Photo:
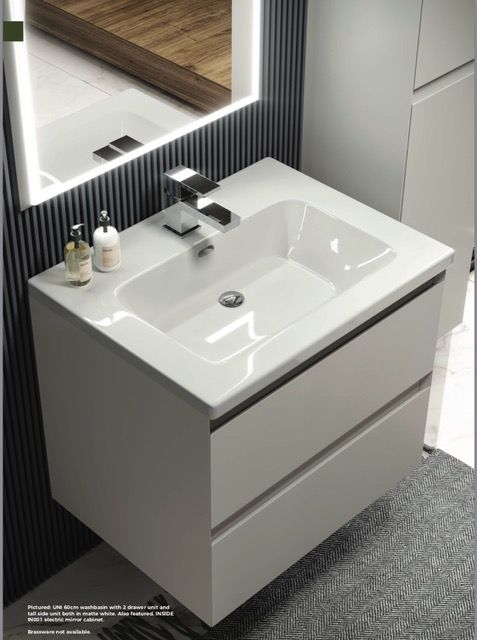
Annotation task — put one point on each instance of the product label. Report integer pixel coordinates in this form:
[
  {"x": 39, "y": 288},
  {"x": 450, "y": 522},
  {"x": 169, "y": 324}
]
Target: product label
[
  {"x": 85, "y": 269},
  {"x": 111, "y": 256}
]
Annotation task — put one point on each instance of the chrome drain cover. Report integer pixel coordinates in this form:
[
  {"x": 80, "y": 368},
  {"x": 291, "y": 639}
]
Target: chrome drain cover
[{"x": 232, "y": 299}]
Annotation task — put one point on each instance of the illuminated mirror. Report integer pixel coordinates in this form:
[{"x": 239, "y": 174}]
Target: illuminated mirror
[{"x": 96, "y": 83}]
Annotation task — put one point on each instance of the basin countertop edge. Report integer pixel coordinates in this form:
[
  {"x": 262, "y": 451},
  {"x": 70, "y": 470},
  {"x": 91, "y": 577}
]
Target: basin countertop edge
[{"x": 418, "y": 259}]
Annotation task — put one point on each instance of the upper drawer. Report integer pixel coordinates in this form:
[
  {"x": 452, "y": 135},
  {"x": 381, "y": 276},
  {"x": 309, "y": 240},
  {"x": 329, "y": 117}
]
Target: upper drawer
[
  {"x": 446, "y": 38},
  {"x": 263, "y": 444}
]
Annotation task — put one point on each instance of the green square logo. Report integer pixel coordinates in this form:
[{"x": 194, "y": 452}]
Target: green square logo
[{"x": 12, "y": 31}]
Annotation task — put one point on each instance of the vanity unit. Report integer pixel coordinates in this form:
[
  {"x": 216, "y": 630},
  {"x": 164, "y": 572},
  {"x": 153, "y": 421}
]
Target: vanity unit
[
  {"x": 389, "y": 117},
  {"x": 214, "y": 446}
]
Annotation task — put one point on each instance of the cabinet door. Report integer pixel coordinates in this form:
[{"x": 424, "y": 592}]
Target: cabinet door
[
  {"x": 438, "y": 189},
  {"x": 359, "y": 80},
  {"x": 446, "y": 38}
]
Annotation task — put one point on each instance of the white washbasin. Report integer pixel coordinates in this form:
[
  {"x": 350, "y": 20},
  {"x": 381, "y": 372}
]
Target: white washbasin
[
  {"x": 287, "y": 260},
  {"x": 312, "y": 263}
]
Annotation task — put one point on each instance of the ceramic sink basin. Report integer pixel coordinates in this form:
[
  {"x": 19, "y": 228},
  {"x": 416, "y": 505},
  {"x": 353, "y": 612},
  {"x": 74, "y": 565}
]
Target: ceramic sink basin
[
  {"x": 311, "y": 263},
  {"x": 287, "y": 261}
]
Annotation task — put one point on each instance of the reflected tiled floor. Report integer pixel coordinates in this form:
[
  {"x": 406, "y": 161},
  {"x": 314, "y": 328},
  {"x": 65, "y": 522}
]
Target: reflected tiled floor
[
  {"x": 450, "y": 424},
  {"x": 103, "y": 576},
  {"x": 66, "y": 79}
]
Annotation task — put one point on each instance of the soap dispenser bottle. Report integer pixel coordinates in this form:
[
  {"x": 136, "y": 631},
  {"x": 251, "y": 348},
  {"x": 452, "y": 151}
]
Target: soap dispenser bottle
[
  {"x": 78, "y": 265},
  {"x": 107, "y": 250}
]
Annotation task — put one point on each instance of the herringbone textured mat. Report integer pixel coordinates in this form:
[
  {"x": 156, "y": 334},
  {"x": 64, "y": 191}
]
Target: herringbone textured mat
[{"x": 401, "y": 569}]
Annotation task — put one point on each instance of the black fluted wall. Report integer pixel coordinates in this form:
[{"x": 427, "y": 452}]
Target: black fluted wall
[{"x": 40, "y": 536}]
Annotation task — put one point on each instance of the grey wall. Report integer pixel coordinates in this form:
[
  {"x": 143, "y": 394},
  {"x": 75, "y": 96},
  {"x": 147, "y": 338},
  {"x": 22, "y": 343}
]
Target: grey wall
[{"x": 40, "y": 536}]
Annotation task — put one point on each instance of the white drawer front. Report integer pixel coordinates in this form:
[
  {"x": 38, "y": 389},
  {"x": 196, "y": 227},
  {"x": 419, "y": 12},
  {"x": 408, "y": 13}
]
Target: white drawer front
[
  {"x": 446, "y": 38},
  {"x": 260, "y": 446},
  {"x": 304, "y": 513}
]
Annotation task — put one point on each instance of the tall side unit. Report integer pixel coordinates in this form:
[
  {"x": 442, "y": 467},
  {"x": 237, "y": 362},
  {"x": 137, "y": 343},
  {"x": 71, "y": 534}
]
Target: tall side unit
[{"x": 388, "y": 117}]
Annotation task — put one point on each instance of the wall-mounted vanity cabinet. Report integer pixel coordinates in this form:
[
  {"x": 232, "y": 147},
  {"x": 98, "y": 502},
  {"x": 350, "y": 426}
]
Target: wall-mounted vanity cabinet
[
  {"x": 389, "y": 117},
  {"x": 214, "y": 514},
  {"x": 214, "y": 447}
]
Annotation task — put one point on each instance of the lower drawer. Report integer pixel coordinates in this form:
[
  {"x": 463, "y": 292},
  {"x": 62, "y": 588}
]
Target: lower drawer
[{"x": 275, "y": 534}]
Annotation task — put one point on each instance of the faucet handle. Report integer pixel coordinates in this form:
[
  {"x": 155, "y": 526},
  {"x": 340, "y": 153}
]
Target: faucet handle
[{"x": 194, "y": 182}]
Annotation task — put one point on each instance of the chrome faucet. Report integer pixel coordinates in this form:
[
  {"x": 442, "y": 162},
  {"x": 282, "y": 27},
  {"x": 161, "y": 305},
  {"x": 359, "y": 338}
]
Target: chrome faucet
[{"x": 190, "y": 191}]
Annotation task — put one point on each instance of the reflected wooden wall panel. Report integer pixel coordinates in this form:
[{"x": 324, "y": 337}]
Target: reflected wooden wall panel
[{"x": 183, "y": 47}]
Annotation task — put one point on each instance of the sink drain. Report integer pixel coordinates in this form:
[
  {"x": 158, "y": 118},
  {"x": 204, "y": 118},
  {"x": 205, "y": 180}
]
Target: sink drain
[{"x": 232, "y": 299}]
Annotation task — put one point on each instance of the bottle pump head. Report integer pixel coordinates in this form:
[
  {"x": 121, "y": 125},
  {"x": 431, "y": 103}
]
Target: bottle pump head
[
  {"x": 104, "y": 220},
  {"x": 76, "y": 233}
]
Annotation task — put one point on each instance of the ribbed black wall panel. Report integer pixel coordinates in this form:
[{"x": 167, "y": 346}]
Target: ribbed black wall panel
[{"x": 40, "y": 536}]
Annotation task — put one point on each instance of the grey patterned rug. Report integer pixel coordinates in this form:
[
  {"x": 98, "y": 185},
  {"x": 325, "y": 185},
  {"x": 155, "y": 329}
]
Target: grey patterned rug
[{"x": 401, "y": 569}]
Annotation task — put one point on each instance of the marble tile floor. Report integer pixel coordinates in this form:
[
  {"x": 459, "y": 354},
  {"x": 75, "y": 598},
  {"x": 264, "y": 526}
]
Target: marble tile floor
[
  {"x": 100, "y": 577},
  {"x": 450, "y": 421},
  {"x": 103, "y": 576},
  {"x": 65, "y": 79}
]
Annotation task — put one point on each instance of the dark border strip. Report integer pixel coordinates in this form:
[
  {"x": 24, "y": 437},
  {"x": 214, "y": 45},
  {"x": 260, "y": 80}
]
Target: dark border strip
[
  {"x": 260, "y": 395},
  {"x": 13, "y": 31}
]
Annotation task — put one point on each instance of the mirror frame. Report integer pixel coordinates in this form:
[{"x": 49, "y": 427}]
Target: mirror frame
[{"x": 23, "y": 121}]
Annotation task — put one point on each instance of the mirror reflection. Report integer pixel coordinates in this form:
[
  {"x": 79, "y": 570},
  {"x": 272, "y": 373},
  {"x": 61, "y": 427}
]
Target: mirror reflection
[{"x": 110, "y": 80}]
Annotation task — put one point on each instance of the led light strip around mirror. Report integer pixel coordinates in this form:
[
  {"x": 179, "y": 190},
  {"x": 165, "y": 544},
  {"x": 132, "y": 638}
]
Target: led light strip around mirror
[{"x": 23, "y": 119}]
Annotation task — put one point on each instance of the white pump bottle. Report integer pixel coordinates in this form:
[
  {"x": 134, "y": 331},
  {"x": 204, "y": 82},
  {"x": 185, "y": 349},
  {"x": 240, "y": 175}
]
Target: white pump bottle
[{"x": 107, "y": 250}]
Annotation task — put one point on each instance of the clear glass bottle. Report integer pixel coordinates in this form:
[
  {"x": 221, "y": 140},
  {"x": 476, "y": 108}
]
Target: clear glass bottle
[{"x": 78, "y": 264}]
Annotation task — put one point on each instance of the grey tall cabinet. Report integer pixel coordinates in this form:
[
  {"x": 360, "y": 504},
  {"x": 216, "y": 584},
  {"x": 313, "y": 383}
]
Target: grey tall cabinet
[{"x": 389, "y": 116}]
